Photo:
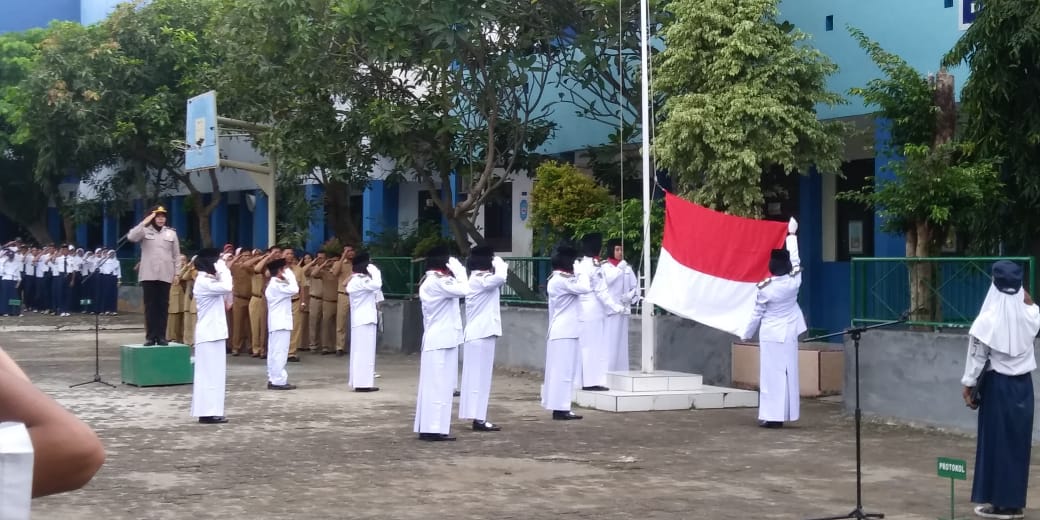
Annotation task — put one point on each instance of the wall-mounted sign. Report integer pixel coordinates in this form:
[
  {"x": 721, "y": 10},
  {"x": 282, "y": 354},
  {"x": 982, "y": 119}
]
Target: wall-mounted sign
[
  {"x": 966, "y": 12},
  {"x": 523, "y": 209}
]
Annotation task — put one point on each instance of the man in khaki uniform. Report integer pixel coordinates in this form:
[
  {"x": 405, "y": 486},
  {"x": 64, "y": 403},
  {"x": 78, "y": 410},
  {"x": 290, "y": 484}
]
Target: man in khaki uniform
[
  {"x": 160, "y": 254},
  {"x": 241, "y": 292},
  {"x": 175, "y": 320},
  {"x": 191, "y": 316},
  {"x": 258, "y": 305},
  {"x": 343, "y": 269},
  {"x": 305, "y": 303},
  {"x": 328, "y": 308},
  {"x": 317, "y": 294},
  {"x": 297, "y": 304}
]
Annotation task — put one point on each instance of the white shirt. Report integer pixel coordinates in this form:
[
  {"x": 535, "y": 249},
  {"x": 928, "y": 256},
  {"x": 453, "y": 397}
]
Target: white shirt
[
  {"x": 41, "y": 265},
  {"x": 364, "y": 290},
  {"x": 483, "y": 312},
  {"x": 279, "y": 295},
  {"x": 564, "y": 290},
  {"x": 110, "y": 266},
  {"x": 442, "y": 318},
  {"x": 597, "y": 304},
  {"x": 88, "y": 265},
  {"x": 30, "y": 266},
  {"x": 75, "y": 264},
  {"x": 60, "y": 265},
  {"x": 776, "y": 308},
  {"x": 10, "y": 269},
  {"x": 979, "y": 352},
  {"x": 622, "y": 284},
  {"x": 209, "y": 291}
]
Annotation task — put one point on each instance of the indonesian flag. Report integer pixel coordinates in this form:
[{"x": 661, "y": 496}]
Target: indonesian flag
[{"x": 711, "y": 262}]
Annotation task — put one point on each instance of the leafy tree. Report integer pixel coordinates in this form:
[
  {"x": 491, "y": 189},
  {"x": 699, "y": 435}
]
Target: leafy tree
[
  {"x": 741, "y": 94},
  {"x": 937, "y": 184},
  {"x": 23, "y": 200},
  {"x": 562, "y": 197},
  {"x": 113, "y": 95},
  {"x": 625, "y": 221},
  {"x": 1001, "y": 102}
]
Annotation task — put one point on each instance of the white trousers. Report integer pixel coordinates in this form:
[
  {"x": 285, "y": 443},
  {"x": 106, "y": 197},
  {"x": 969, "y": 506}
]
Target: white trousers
[
  {"x": 778, "y": 380},
  {"x": 616, "y": 336},
  {"x": 207, "y": 393},
  {"x": 593, "y": 343},
  {"x": 438, "y": 370},
  {"x": 277, "y": 354},
  {"x": 362, "y": 371},
  {"x": 561, "y": 356},
  {"x": 478, "y": 364}
]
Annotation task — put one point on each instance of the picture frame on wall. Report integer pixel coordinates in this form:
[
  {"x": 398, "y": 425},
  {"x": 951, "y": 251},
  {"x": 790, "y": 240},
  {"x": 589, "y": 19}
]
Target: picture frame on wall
[
  {"x": 855, "y": 237},
  {"x": 950, "y": 244}
]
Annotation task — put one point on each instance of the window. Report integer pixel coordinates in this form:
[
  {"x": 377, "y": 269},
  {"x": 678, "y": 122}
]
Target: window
[
  {"x": 498, "y": 218},
  {"x": 829, "y": 22},
  {"x": 855, "y": 223}
]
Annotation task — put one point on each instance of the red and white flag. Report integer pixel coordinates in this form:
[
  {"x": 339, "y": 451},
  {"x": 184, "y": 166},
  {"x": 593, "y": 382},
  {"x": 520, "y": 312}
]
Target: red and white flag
[{"x": 711, "y": 262}]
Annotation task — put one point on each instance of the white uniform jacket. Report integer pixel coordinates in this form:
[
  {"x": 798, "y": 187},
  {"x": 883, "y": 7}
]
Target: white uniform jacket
[
  {"x": 483, "y": 310},
  {"x": 776, "y": 308},
  {"x": 209, "y": 292},
  {"x": 442, "y": 318},
  {"x": 364, "y": 289},
  {"x": 279, "y": 295},
  {"x": 595, "y": 305},
  {"x": 564, "y": 291},
  {"x": 622, "y": 284}
]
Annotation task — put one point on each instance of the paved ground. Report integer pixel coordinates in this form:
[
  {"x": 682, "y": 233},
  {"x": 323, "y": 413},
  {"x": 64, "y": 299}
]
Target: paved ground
[{"x": 322, "y": 452}]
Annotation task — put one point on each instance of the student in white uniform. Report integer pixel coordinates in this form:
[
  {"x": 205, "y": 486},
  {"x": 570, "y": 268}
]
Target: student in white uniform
[
  {"x": 565, "y": 287},
  {"x": 211, "y": 331},
  {"x": 280, "y": 290},
  {"x": 364, "y": 287},
  {"x": 593, "y": 316},
  {"x": 487, "y": 274},
  {"x": 782, "y": 321},
  {"x": 10, "y": 275},
  {"x": 623, "y": 287},
  {"x": 443, "y": 285}
]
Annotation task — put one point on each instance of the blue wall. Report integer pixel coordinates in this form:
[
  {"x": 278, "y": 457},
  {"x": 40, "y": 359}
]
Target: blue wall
[
  {"x": 919, "y": 31},
  {"x": 18, "y": 15}
]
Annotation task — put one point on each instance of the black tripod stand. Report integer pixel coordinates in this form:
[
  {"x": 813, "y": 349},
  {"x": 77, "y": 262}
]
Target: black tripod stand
[
  {"x": 855, "y": 334},
  {"x": 97, "y": 328}
]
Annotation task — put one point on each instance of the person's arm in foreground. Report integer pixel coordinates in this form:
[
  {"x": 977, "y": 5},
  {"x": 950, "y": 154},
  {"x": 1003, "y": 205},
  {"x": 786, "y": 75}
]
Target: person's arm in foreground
[{"x": 66, "y": 452}]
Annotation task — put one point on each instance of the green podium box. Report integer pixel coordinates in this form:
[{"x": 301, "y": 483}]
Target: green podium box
[{"x": 156, "y": 365}]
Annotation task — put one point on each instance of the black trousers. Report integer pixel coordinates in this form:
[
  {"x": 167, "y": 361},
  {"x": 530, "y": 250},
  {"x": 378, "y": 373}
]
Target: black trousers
[{"x": 156, "y": 297}]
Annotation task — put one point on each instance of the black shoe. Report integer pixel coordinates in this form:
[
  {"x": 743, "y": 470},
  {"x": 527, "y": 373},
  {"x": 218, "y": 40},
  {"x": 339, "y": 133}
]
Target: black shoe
[
  {"x": 484, "y": 426},
  {"x": 596, "y": 388},
  {"x": 272, "y": 386},
  {"x": 435, "y": 437},
  {"x": 293, "y": 359},
  {"x": 989, "y": 511},
  {"x": 559, "y": 415},
  {"x": 162, "y": 343},
  {"x": 213, "y": 420},
  {"x": 456, "y": 393},
  {"x": 326, "y": 352},
  {"x": 771, "y": 424},
  {"x": 367, "y": 389},
  {"x": 150, "y": 343},
  {"x": 340, "y": 353}
]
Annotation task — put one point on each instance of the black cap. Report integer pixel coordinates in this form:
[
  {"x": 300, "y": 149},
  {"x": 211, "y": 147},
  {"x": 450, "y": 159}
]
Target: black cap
[
  {"x": 591, "y": 244},
  {"x": 780, "y": 262},
  {"x": 437, "y": 257},
  {"x": 564, "y": 258},
  {"x": 361, "y": 259},
  {"x": 480, "y": 258},
  {"x": 275, "y": 265},
  {"x": 1007, "y": 276},
  {"x": 206, "y": 260}
]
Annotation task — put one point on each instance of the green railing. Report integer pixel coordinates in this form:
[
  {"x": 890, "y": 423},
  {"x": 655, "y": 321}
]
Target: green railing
[
  {"x": 127, "y": 271},
  {"x": 880, "y": 289},
  {"x": 400, "y": 276}
]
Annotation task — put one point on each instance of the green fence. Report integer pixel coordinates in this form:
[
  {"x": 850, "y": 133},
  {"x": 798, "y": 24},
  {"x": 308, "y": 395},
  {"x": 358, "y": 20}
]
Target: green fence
[
  {"x": 127, "y": 271},
  {"x": 881, "y": 288}
]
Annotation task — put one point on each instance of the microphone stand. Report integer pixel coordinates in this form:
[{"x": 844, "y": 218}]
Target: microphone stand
[
  {"x": 97, "y": 327},
  {"x": 855, "y": 334}
]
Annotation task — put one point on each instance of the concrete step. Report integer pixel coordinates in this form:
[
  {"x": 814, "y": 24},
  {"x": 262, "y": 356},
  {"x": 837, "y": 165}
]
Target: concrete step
[
  {"x": 706, "y": 397},
  {"x": 659, "y": 381}
]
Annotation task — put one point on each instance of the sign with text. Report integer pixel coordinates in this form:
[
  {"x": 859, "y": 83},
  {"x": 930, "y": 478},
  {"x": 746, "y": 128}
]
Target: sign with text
[
  {"x": 952, "y": 468},
  {"x": 966, "y": 12}
]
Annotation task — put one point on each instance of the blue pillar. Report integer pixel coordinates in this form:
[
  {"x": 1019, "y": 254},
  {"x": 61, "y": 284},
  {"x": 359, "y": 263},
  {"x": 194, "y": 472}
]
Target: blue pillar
[
  {"x": 810, "y": 244},
  {"x": 245, "y": 225},
  {"x": 885, "y": 244},
  {"x": 218, "y": 223},
  {"x": 81, "y": 236},
  {"x": 109, "y": 227},
  {"x": 260, "y": 220},
  {"x": 54, "y": 224},
  {"x": 372, "y": 223},
  {"x": 178, "y": 215},
  {"x": 454, "y": 196},
  {"x": 316, "y": 230}
]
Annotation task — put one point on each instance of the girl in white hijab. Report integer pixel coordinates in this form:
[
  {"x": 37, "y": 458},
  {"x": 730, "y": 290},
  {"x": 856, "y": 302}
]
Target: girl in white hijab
[{"x": 999, "y": 366}]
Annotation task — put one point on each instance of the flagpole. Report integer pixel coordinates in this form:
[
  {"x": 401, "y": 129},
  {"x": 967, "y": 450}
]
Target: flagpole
[{"x": 647, "y": 322}]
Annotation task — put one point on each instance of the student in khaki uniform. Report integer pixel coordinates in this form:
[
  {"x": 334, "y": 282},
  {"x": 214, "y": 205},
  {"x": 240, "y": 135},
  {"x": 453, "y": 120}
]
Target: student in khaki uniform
[
  {"x": 305, "y": 303},
  {"x": 330, "y": 295},
  {"x": 257, "y": 305},
  {"x": 175, "y": 320},
  {"x": 242, "y": 293},
  {"x": 191, "y": 316},
  {"x": 317, "y": 293},
  {"x": 343, "y": 269},
  {"x": 299, "y": 323}
]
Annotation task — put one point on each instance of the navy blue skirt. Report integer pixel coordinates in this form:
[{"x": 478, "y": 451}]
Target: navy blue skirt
[{"x": 1005, "y": 439}]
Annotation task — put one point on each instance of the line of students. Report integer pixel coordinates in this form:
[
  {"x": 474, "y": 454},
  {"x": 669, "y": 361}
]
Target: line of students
[{"x": 57, "y": 280}]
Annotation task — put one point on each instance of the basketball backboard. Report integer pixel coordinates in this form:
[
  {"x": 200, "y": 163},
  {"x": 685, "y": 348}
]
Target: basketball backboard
[{"x": 201, "y": 135}]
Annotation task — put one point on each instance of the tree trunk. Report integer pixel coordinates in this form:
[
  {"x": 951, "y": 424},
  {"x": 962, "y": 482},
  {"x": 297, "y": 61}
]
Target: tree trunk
[
  {"x": 512, "y": 280},
  {"x": 70, "y": 230},
  {"x": 946, "y": 117},
  {"x": 38, "y": 230},
  {"x": 203, "y": 218},
  {"x": 922, "y": 274},
  {"x": 337, "y": 207}
]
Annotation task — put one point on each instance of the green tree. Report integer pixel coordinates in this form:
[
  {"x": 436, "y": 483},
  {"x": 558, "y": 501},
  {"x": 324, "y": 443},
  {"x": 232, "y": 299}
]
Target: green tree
[
  {"x": 741, "y": 91},
  {"x": 562, "y": 197},
  {"x": 23, "y": 200},
  {"x": 625, "y": 221},
  {"x": 937, "y": 183},
  {"x": 1001, "y": 102}
]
